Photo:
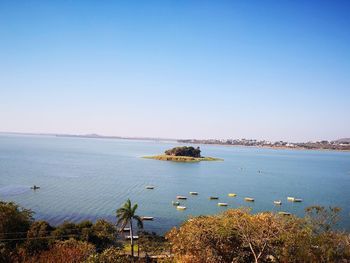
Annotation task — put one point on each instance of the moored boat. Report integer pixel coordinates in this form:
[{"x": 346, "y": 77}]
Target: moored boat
[
  {"x": 193, "y": 193},
  {"x": 34, "y": 187},
  {"x": 175, "y": 202},
  {"x": 249, "y": 199},
  {"x": 150, "y": 187},
  {"x": 147, "y": 218},
  {"x": 180, "y": 207},
  {"x": 298, "y": 200},
  {"x": 181, "y": 197},
  {"x": 222, "y": 204},
  {"x": 232, "y": 194},
  {"x": 134, "y": 237},
  {"x": 289, "y": 198},
  {"x": 213, "y": 197},
  {"x": 278, "y": 202}
]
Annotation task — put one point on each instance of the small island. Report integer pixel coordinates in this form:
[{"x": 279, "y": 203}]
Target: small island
[{"x": 183, "y": 154}]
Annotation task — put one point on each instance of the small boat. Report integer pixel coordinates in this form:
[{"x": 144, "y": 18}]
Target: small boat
[
  {"x": 232, "y": 194},
  {"x": 193, "y": 193},
  {"x": 151, "y": 187},
  {"x": 34, "y": 187},
  {"x": 284, "y": 213},
  {"x": 278, "y": 202},
  {"x": 126, "y": 229},
  {"x": 181, "y": 197},
  {"x": 249, "y": 199},
  {"x": 298, "y": 200},
  {"x": 180, "y": 207},
  {"x": 213, "y": 197},
  {"x": 134, "y": 237},
  {"x": 175, "y": 202},
  {"x": 222, "y": 204},
  {"x": 290, "y": 198},
  {"x": 147, "y": 218}
]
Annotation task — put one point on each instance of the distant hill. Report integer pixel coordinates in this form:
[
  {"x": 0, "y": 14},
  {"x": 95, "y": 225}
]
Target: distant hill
[{"x": 344, "y": 140}]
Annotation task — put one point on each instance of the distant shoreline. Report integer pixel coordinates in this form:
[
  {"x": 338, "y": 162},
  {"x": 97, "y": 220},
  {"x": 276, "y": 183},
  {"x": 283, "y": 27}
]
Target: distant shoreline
[
  {"x": 274, "y": 148},
  {"x": 200, "y": 142}
]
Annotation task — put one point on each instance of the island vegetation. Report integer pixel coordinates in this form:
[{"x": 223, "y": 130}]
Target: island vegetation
[
  {"x": 236, "y": 235},
  {"x": 183, "y": 154}
]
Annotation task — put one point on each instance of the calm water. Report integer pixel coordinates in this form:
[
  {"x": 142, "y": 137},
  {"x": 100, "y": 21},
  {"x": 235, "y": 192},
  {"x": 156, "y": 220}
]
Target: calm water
[{"x": 90, "y": 178}]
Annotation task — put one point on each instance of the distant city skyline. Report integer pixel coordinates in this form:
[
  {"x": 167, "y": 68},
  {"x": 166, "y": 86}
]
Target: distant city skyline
[{"x": 184, "y": 69}]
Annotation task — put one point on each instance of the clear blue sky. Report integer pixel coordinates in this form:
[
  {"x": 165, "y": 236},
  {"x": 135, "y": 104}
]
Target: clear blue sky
[{"x": 179, "y": 69}]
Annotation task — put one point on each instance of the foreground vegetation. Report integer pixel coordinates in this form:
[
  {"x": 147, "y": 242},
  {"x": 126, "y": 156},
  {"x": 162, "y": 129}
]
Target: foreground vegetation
[
  {"x": 239, "y": 236},
  {"x": 183, "y": 154},
  {"x": 235, "y": 235}
]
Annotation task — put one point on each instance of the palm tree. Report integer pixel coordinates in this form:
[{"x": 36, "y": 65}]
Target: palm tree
[{"x": 126, "y": 214}]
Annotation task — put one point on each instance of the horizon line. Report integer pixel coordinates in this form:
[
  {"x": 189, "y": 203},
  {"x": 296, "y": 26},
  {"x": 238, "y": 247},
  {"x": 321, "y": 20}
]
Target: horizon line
[{"x": 96, "y": 135}]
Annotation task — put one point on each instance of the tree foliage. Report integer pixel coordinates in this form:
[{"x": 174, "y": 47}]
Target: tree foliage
[
  {"x": 37, "y": 237},
  {"x": 239, "y": 236},
  {"x": 184, "y": 151},
  {"x": 14, "y": 222},
  {"x": 151, "y": 243},
  {"x": 68, "y": 251},
  {"x": 125, "y": 215}
]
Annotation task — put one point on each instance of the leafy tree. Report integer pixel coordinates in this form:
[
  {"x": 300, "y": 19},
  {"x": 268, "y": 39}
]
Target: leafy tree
[
  {"x": 239, "y": 236},
  {"x": 37, "y": 237},
  {"x": 104, "y": 235},
  {"x": 151, "y": 243},
  {"x": 126, "y": 214},
  {"x": 68, "y": 251},
  {"x": 207, "y": 239},
  {"x": 322, "y": 219},
  {"x": 14, "y": 223},
  {"x": 66, "y": 231},
  {"x": 184, "y": 151},
  {"x": 109, "y": 255}
]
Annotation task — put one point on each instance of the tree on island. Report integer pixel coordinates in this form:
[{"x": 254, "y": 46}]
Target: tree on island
[
  {"x": 184, "y": 151},
  {"x": 125, "y": 215}
]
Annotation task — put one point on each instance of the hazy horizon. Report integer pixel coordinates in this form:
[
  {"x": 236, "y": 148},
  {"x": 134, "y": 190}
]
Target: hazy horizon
[
  {"x": 150, "y": 137},
  {"x": 186, "y": 69}
]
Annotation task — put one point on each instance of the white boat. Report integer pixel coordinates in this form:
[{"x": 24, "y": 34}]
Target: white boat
[
  {"x": 249, "y": 199},
  {"x": 193, "y": 193},
  {"x": 126, "y": 229},
  {"x": 134, "y": 237},
  {"x": 222, "y": 204},
  {"x": 147, "y": 218},
  {"x": 180, "y": 207},
  {"x": 278, "y": 202},
  {"x": 293, "y": 199},
  {"x": 181, "y": 197}
]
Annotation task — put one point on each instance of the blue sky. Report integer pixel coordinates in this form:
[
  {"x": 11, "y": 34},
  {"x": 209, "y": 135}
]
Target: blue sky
[{"x": 176, "y": 69}]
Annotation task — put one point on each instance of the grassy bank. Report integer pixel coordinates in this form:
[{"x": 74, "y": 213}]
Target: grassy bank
[{"x": 164, "y": 157}]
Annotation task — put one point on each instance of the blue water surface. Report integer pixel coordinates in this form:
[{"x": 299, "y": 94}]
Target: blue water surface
[{"x": 82, "y": 178}]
